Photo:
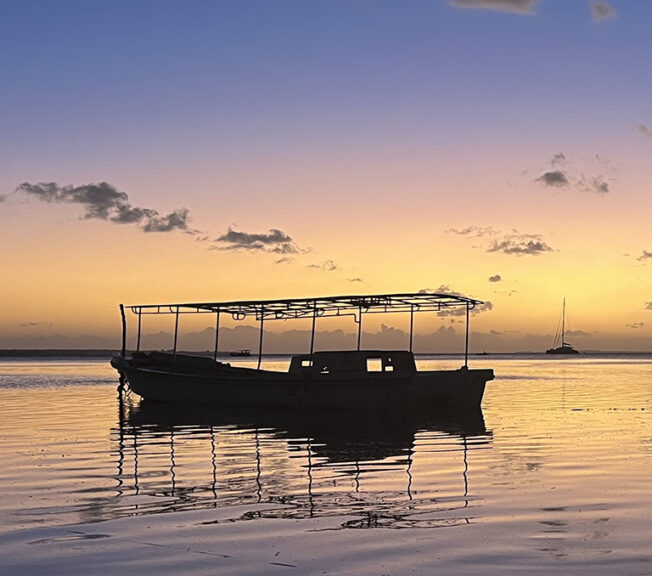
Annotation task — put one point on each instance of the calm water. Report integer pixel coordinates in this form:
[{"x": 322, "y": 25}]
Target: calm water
[{"x": 554, "y": 475}]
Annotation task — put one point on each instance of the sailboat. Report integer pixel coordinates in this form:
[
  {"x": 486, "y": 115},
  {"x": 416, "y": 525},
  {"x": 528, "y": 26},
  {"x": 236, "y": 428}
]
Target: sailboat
[{"x": 565, "y": 347}]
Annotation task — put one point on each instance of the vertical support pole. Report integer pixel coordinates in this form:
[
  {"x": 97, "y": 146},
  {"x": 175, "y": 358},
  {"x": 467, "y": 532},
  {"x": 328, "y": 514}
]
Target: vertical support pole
[
  {"x": 359, "y": 325},
  {"x": 217, "y": 334},
  {"x": 312, "y": 334},
  {"x": 140, "y": 315},
  {"x": 260, "y": 340},
  {"x": 176, "y": 333},
  {"x": 411, "y": 324},
  {"x": 466, "y": 345},
  {"x": 124, "y": 330}
]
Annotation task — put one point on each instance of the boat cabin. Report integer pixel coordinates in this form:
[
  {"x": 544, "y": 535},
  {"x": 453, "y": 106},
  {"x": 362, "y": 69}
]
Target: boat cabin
[{"x": 354, "y": 362}]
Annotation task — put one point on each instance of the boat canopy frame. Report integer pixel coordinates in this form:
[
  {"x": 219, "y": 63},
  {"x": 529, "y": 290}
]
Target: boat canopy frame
[{"x": 320, "y": 307}]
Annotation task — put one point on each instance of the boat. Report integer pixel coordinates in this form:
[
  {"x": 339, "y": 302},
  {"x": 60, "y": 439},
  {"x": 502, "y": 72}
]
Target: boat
[
  {"x": 242, "y": 352},
  {"x": 348, "y": 378},
  {"x": 565, "y": 347}
]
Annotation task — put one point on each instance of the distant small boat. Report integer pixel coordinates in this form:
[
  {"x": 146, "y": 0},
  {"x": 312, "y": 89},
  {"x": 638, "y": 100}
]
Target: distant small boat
[
  {"x": 243, "y": 352},
  {"x": 565, "y": 347}
]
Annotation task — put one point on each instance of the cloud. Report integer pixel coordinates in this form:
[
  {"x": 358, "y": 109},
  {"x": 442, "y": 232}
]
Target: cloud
[
  {"x": 601, "y": 10},
  {"x": 635, "y": 325},
  {"x": 513, "y": 6},
  {"x": 557, "y": 178},
  {"x": 644, "y": 256},
  {"x": 473, "y": 231},
  {"x": 512, "y": 243},
  {"x": 105, "y": 202},
  {"x": 326, "y": 266},
  {"x": 648, "y": 306},
  {"x": 596, "y": 184},
  {"x": 35, "y": 325},
  {"x": 520, "y": 245},
  {"x": 284, "y": 260},
  {"x": 3, "y": 197},
  {"x": 354, "y": 279},
  {"x": 495, "y": 278},
  {"x": 579, "y": 334},
  {"x": 275, "y": 241},
  {"x": 554, "y": 178},
  {"x": 445, "y": 289},
  {"x": 643, "y": 129}
]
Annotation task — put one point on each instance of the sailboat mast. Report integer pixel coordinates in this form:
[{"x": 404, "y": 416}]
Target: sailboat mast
[{"x": 563, "y": 323}]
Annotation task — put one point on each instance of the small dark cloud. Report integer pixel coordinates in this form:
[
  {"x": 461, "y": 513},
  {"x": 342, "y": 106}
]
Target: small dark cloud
[
  {"x": 177, "y": 220},
  {"x": 495, "y": 278},
  {"x": 326, "y": 266},
  {"x": 354, "y": 279},
  {"x": 473, "y": 231},
  {"x": 445, "y": 289},
  {"x": 520, "y": 245},
  {"x": 513, "y": 6},
  {"x": 648, "y": 306},
  {"x": 635, "y": 325},
  {"x": 459, "y": 311},
  {"x": 35, "y": 325},
  {"x": 3, "y": 197},
  {"x": 284, "y": 260},
  {"x": 597, "y": 185},
  {"x": 644, "y": 256},
  {"x": 274, "y": 240},
  {"x": 513, "y": 243},
  {"x": 601, "y": 10},
  {"x": 557, "y": 178},
  {"x": 554, "y": 178},
  {"x": 643, "y": 129},
  {"x": 103, "y": 201}
]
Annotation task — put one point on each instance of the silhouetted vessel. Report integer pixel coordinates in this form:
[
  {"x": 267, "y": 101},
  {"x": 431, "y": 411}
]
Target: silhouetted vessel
[
  {"x": 565, "y": 347},
  {"x": 242, "y": 352},
  {"x": 355, "y": 378}
]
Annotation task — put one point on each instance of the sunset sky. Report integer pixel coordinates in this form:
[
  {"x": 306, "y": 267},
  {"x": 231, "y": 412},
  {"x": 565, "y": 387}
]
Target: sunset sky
[{"x": 157, "y": 151}]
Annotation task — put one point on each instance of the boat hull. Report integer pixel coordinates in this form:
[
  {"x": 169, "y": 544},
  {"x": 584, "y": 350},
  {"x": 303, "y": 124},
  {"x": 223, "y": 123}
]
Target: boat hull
[
  {"x": 562, "y": 350},
  {"x": 235, "y": 386}
]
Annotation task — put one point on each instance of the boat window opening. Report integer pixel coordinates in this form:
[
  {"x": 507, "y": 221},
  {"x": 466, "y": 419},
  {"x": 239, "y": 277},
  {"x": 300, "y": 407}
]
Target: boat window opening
[
  {"x": 374, "y": 365},
  {"x": 306, "y": 363},
  {"x": 389, "y": 368}
]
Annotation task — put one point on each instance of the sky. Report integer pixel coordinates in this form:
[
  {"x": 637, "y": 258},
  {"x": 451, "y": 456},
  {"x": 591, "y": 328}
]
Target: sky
[{"x": 157, "y": 151}]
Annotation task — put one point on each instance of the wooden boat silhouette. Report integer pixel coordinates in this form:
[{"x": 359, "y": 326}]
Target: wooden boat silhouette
[{"x": 320, "y": 378}]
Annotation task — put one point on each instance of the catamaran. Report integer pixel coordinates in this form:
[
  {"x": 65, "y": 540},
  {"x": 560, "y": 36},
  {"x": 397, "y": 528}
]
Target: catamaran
[
  {"x": 565, "y": 347},
  {"x": 355, "y": 378}
]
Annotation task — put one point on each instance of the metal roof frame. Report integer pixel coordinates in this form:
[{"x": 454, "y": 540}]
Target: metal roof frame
[{"x": 318, "y": 307}]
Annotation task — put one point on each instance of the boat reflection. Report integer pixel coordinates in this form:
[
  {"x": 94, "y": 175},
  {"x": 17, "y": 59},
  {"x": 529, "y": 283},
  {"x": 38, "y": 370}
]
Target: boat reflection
[{"x": 367, "y": 468}]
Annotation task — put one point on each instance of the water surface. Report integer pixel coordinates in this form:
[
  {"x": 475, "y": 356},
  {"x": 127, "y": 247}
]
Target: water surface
[{"x": 553, "y": 474}]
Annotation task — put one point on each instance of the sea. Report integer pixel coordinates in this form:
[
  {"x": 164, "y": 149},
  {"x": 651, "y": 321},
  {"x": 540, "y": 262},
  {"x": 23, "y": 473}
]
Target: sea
[{"x": 552, "y": 476}]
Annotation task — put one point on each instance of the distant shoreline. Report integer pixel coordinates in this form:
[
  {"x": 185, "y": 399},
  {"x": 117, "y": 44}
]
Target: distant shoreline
[
  {"x": 47, "y": 353},
  {"x": 107, "y": 353}
]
